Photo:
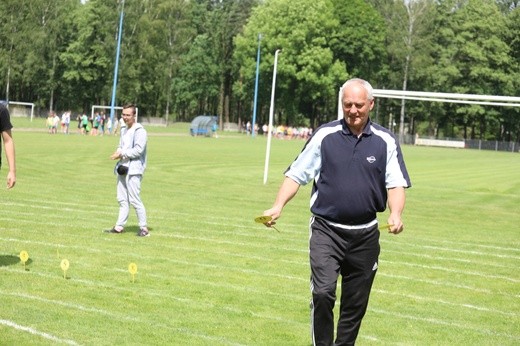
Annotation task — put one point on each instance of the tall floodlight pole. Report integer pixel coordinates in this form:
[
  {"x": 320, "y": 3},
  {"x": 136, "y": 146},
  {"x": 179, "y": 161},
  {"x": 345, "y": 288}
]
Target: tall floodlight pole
[
  {"x": 116, "y": 67},
  {"x": 271, "y": 116},
  {"x": 256, "y": 85}
]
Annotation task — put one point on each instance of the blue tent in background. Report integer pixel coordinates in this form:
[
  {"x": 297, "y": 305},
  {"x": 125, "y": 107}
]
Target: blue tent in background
[{"x": 202, "y": 125}]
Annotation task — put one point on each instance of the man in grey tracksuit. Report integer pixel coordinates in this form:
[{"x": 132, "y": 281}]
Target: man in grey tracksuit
[{"x": 131, "y": 154}]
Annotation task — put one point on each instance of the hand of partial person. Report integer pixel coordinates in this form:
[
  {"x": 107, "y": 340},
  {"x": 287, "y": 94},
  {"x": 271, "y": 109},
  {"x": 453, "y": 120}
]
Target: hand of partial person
[
  {"x": 274, "y": 213},
  {"x": 11, "y": 180},
  {"x": 396, "y": 224},
  {"x": 116, "y": 155}
]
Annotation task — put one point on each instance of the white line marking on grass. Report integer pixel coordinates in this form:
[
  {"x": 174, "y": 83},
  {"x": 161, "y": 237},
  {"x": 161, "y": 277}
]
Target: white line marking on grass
[
  {"x": 448, "y": 284},
  {"x": 227, "y": 286},
  {"x": 186, "y": 301},
  {"x": 475, "y": 245},
  {"x": 233, "y": 223},
  {"x": 269, "y": 317},
  {"x": 443, "y": 302},
  {"x": 203, "y": 265},
  {"x": 456, "y": 250},
  {"x": 254, "y": 245},
  {"x": 368, "y": 337},
  {"x": 478, "y": 330},
  {"x": 240, "y": 270},
  {"x": 262, "y": 245},
  {"x": 263, "y": 259},
  {"x": 116, "y": 316},
  {"x": 52, "y": 245},
  {"x": 473, "y": 262},
  {"x": 150, "y": 293},
  {"x": 465, "y": 272},
  {"x": 299, "y": 278},
  {"x": 35, "y": 332}
]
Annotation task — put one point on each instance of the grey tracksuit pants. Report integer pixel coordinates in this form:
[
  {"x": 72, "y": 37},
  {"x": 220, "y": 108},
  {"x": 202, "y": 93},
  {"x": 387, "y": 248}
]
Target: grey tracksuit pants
[{"x": 128, "y": 193}]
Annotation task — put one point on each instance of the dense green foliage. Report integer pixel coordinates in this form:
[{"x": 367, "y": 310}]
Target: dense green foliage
[{"x": 183, "y": 58}]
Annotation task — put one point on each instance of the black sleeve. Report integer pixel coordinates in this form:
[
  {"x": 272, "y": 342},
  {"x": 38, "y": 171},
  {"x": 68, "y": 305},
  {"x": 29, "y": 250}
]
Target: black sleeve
[
  {"x": 5, "y": 119},
  {"x": 5, "y": 125}
]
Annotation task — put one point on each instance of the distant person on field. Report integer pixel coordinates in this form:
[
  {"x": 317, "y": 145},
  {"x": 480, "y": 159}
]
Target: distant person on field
[
  {"x": 356, "y": 167},
  {"x": 95, "y": 124},
  {"x": 49, "y": 122},
  {"x": 65, "y": 122},
  {"x": 78, "y": 119},
  {"x": 55, "y": 122},
  {"x": 109, "y": 124},
  {"x": 122, "y": 124},
  {"x": 118, "y": 125},
  {"x": 264, "y": 129},
  {"x": 85, "y": 129},
  {"x": 214, "y": 129},
  {"x": 102, "y": 121},
  {"x": 131, "y": 156},
  {"x": 7, "y": 138}
]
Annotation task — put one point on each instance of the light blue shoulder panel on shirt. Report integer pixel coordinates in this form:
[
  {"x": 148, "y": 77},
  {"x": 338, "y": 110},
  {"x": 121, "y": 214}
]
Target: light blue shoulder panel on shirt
[
  {"x": 308, "y": 163},
  {"x": 394, "y": 174}
]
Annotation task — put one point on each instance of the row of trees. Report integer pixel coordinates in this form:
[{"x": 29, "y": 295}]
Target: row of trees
[{"x": 182, "y": 58}]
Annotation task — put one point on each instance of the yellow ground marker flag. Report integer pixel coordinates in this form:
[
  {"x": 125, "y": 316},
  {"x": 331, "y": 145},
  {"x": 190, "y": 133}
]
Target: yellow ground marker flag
[
  {"x": 132, "y": 268},
  {"x": 24, "y": 256},
  {"x": 64, "y": 266}
]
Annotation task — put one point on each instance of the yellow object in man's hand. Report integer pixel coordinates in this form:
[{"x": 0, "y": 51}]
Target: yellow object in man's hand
[{"x": 265, "y": 219}]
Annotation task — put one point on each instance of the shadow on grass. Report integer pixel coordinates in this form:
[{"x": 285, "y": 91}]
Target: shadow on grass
[
  {"x": 129, "y": 231},
  {"x": 9, "y": 260}
]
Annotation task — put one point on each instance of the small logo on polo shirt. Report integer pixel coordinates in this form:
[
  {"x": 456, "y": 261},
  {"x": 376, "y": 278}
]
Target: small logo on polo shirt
[
  {"x": 371, "y": 159},
  {"x": 374, "y": 268}
]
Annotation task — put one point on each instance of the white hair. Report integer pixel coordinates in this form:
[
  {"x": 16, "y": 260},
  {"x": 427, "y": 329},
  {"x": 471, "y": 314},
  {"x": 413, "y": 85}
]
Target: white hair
[{"x": 366, "y": 85}]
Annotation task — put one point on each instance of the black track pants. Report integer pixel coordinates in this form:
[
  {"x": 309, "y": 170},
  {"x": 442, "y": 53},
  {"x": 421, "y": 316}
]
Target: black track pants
[{"x": 353, "y": 253}]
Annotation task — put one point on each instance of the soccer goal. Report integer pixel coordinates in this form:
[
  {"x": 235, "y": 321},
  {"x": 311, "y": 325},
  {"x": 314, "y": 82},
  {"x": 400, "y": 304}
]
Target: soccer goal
[
  {"x": 491, "y": 100},
  {"x": 21, "y": 109},
  {"x": 94, "y": 107}
]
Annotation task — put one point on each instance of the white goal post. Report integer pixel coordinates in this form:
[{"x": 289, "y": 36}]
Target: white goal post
[
  {"x": 94, "y": 107},
  {"x": 23, "y": 104},
  {"x": 491, "y": 100}
]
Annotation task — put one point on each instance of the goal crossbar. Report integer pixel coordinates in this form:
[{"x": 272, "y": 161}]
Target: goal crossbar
[
  {"x": 452, "y": 100},
  {"x": 109, "y": 107},
  {"x": 437, "y": 95},
  {"x": 489, "y": 100},
  {"x": 23, "y": 104}
]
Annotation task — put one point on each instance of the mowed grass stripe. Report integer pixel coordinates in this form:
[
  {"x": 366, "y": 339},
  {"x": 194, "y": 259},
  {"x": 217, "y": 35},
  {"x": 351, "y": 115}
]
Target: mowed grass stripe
[
  {"x": 202, "y": 195},
  {"x": 416, "y": 297},
  {"x": 448, "y": 325},
  {"x": 301, "y": 265},
  {"x": 124, "y": 316},
  {"x": 199, "y": 305},
  {"x": 49, "y": 259},
  {"x": 243, "y": 245},
  {"x": 463, "y": 251},
  {"x": 420, "y": 256},
  {"x": 454, "y": 271},
  {"x": 83, "y": 281}
]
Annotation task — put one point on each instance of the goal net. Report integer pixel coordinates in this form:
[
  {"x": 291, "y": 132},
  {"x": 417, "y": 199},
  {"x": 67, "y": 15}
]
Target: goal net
[
  {"x": 95, "y": 107},
  {"x": 21, "y": 109}
]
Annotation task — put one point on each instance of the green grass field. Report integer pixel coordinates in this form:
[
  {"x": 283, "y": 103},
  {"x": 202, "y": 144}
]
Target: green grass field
[{"x": 209, "y": 275}]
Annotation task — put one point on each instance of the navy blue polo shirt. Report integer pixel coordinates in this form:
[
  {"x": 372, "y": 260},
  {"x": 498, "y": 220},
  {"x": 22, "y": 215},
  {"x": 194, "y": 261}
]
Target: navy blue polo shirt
[{"x": 351, "y": 175}]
